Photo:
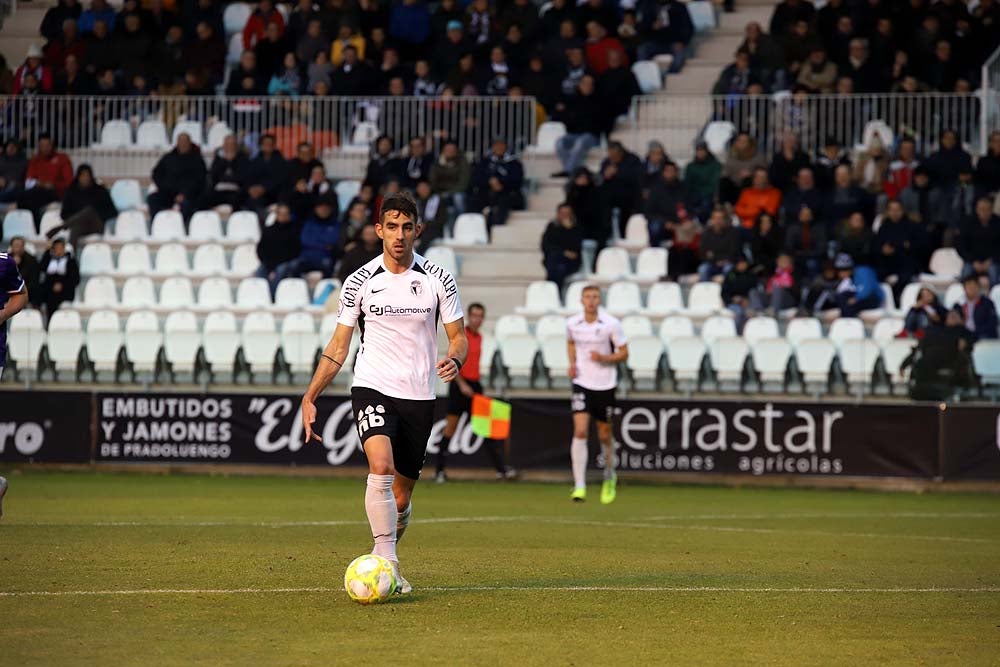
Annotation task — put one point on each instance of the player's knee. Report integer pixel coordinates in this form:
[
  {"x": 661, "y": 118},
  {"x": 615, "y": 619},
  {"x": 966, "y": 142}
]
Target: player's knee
[
  {"x": 579, "y": 434},
  {"x": 402, "y": 501},
  {"x": 381, "y": 468}
]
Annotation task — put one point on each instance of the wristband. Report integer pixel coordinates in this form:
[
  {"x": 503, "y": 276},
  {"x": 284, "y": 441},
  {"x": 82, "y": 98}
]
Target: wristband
[{"x": 457, "y": 362}]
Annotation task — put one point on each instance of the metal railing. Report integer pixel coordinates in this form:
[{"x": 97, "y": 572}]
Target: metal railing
[
  {"x": 123, "y": 136},
  {"x": 990, "y": 90}
]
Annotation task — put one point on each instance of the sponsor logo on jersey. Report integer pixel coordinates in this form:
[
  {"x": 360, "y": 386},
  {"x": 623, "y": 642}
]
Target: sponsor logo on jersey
[
  {"x": 396, "y": 311},
  {"x": 416, "y": 288}
]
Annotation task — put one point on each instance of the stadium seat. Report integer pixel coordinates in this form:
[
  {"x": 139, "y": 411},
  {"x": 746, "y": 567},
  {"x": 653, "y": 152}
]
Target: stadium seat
[
  {"x": 954, "y": 295},
  {"x": 717, "y": 327},
  {"x": 888, "y": 307},
  {"x": 362, "y": 137},
  {"x": 152, "y": 134},
  {"x": 548, "y": 134},
  {"x": 171, "y": 259},
  {"x": 572, "y": 299},
  {"x": 346, "y": 191},
  {"x": 624, "y": 298},
  {"x": 986, "y": 362},
  {"x": 705, "y": 299},
  {"x": 770, "y": 361},
  {"x": 663, "y": 299},
  {"x": 260, "y": 342},
  {"x": 25, "y": 340},
  {"x": 486, "y": 354},
  {"x": 115, "y": 134},
  {"x": 220, "y": 343},
  {"x": 651, "y": 265},
  {"x": 645, "y": 355},
  {"x": 299, "y": 343},
  {"x": 134, "y": 259},
  {"x": 193, "y": 130},
  {"x": 217, "y": 134},
  {"x": 291, "y": 294},
  {"x": 909, "y": 297},
  {"x": 555, "y": 360},
  {"x": 470, "y": 229},
  {"x": 18, "y": 222},
  {"x": 542, "y": 296},
  {"x": 846, "y": 328},
  {"x": 131, "y": 225},
  {"x": 234, "y": 49},
  {"x": 702, "y": 15},
  {"x": 215, "y": 293},
  {"x": 138, "y": 292},
  {"x": 887, "y": 329},
  {"x": 636, "y": 325},
  {"x": 253, "y": 293},
  {"x": 444, "y": 257},
  {"x": 813, "y": 358},
  {"x": 550, "y": 325},
  {"x": 181, "y": 343},
  {"x": 209, "y": 260},
  {"x": 894, "y": 352},
  {"x": 104, "y": 342},
  {"x": 168, "y": 225},
  {"x": 995, "y": 296},
  {"x": 143, "y": 341},
  {"x": 717, "y": 135},
  {"x": 177, "y": 292},
  {"x": 321, "y": 294},
  {"x": 858, "y": 358},
  {"x": 757, "y": 328},
  {"x": 508, "y": 325},
  {"x": 100, "y": 292},
  {"x": 64, "y": 341},
  {"x": 685, "y": 355},
  {"x": 612, "y": 264},
  {"x": 327, "y": 326},
  {"x": 205, "y": 226},
  {"x": 235, "y": 17},
  {"x": 517, "y": 352},
  {"x": 636, "y": 233},
  {"x": 879, "y": 128},
  {"x": 647, "y": 73},
  {"x": 728, "y": 355},
  {"x": 50, "y": 220},
  {"x": 946, "y": 267},
  {"x": 802, "y": 328},
  {"x": 243, "y": 226},
  {"x": 675, "y": 326},
  {"x": 244, "y": 261},
  {"x": 126, "y": 194}
]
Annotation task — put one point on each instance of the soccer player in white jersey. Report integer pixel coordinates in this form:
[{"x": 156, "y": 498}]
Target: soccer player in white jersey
[
  {"x": 396, "y": 300},
  {"x": 596, "y": 345}
]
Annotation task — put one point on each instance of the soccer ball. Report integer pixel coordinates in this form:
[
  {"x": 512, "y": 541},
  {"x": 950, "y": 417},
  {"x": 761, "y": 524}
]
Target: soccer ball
[{"x": 370, "y": 579}]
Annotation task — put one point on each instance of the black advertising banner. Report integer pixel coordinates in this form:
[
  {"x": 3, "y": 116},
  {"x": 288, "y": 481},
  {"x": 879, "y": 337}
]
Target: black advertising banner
[
  {"x": 49, "y": 427},
  {"x": 971, "y": 443}
]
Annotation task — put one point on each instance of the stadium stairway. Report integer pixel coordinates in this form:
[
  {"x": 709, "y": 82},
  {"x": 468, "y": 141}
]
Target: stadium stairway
[{"x": 20, "y": 30}]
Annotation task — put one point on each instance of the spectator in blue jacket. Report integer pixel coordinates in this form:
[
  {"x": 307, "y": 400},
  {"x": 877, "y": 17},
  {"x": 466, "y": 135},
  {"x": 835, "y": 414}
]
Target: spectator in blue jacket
[
  {"x": 669, "y": 29},
  {"x": 320, "y": 238},
  {"x": 99, "y": 10},
  {"x": 858, "y": 288},
  {"x": 977, "y": 311},
  {"x": 410, "y": 26}
]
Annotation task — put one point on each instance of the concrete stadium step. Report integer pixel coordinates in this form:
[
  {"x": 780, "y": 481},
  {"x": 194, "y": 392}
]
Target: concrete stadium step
[
  {"x": 499, "y": 296},
  {"x": 520, "y": 233},
  {"x": 718, "y": 48},
  {"x": 696, "y": 78},
  {"x": 745, "y": 13},
  {"x": 490, "y": 262},
  {"x": 20, "y": 30}
]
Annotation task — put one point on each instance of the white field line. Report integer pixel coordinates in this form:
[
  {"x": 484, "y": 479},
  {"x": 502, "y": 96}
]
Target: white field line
[{"x": 478, "y": 589}]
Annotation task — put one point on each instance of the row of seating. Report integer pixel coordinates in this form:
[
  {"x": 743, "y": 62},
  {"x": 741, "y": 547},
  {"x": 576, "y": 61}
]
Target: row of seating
[
  {"x": 170, "y": 259},
  {"x": 117, "y": 134}
]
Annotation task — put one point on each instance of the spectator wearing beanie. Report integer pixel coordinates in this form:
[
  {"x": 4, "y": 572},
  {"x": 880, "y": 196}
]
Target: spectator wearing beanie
[
  {"x": 320, "y": 239},
  {"x": 858, "y": 288},
  {"x": 33, "y": 66}
]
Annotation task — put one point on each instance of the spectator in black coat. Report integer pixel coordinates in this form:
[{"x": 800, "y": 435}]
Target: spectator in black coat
[
  {"x": 583, "y": 116},
  {"x": 897, "y": 244},
  {"x": 52, "y": 23},
  {"x": 246, "y": 78},
  {"x": 28, "y": 267},
  {"x": 787, "y": 162},
  {"x": 86, "y": 206},
  {"x": 925, "y": 313},
  {"x": 381, "y": 166},
  {"x": 665, "y": 207},
  {"x": 416, "y": 166},
  {"x": 367, "y": 248},
  {"x": 278, "y": 247},
  {"x": 948, "y": 161},
  {"x": 788, "y": 12},
  {"x": 354, "y": 77},
  {"x": 562, "y": 244},
  {"x": 988, "y": 169},
  {"x": 804, "y": 193},
  {"x": 621, "y": 186},
  {"x": 847, "y": 198},
  {"x": 805, "y": 241},
  {"x": 977, "y": 310},
  {"x": 855, "y": 238},
  {"x": 13, "y": 167},
  {"x": 497, "y": 180},
  {"x": 741, "y": 291},
  {"x": 306, "y": 192},
  {"x": 265, "y": 175},
  {"x": 60, "y": 275},
  {"x": 979, "y": 242},
  {"x": 584, "y": 198},
  {"x": 720, "y": 243},
  {"x": 101, "y": 52},
  {"x": 180, "y": 178},
  {"x": 133, "y": 47},
  {"x": 862, "y": 70},
  {"x": 616, "y": 86},
  {"x": 652, "y": 166},
  {"x": 207, "y": 50},
  {"x": 226, "y": 178},
  {"x": 668, "y": 29},
  {"x": 767, "y": 243},
  {"x": 300, "y": 168}
]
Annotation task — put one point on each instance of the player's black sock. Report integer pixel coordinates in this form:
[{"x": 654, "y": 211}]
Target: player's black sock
[{"x": 443, "y": 452}]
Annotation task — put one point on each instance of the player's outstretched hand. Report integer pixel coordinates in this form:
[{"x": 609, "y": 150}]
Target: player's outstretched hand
[
  {"x": 447, "y": 369},
  {"x": 308, "y": 418}
]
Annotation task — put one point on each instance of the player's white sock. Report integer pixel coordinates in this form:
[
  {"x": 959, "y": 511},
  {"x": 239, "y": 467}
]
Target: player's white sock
[
  {"x": 402, "y": 522},
  {"x": 609, "y": 461},
  {"x": 380, "y": 505},
  {"x": 578, "y": 458}
]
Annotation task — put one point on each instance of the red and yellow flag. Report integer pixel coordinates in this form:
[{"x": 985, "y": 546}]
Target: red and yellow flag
[{"x": 490, "y": 417}]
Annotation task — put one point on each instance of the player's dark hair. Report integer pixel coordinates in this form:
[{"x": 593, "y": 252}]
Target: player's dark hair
[
  {"x": 475, "y": 304},
  {"x": 401, "y": 202}
]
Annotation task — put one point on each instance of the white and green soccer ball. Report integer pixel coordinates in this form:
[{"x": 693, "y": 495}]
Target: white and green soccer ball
[{"x": 370, "y": 579}]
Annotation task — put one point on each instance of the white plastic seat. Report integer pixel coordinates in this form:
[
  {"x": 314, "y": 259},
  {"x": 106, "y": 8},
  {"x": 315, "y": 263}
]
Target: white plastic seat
[
  {"x": 636, "y": 233},
  {"x": 995, "y": 296},
  {"x": 572, "y": 299},
  {"x": 220, "y": 341},
  {"x": 702, "y": 15},
  {"x": 673, "y": 327},
  {"x": 243, "y": 226},
  {"x": 115, "y": 134},
  {"x": 18, "y": 222},
  {"x": 636, "y": 325},
  {"x": 138, "y": 292},
  {"x": 664, "y": 299},
  {"x": 126, "y": 194},
  {"x": 234, "y": 48},
  {"x": 235, "y": 17},
  {"x": 325, "y": 289},
  {"x": 651, "y": 264},
  {"x": 894, "y": 352},
  {"x": 260, "y": 342},
  {"x": 846, "y": 328},
  {"x": 757, "y": 328},
  {"x": 104, "y": 340},
  {"x": 802, "y": 328},
  {"x": 215, "y": 293},
  {"x": 100, "y": 292},
  {"x": 177, "y": 292},
  {"x": 612, "y": 264},
  {"x": 143, "y": 340},
  {"x": 96, "y": 258},
  {"x": 554, "y": 358},
  {"x": 770, "y": 359},
  {"x": 152, "y": 134},
  {"x": 470, "y": 229},
  {"x": 171, "y": 258},
  {"x": 717, "y": 136},
  {"x": 217, "y": 134},
  {"x": 363, "y": 136},
  {"x": 704, "y": 299},
  {"x": 954, "y": 295},
  {"x": 64, "y": 340},
  {"x": 130, "y": 225},
  {"x": 717, "y": 327},
  {"x": 346, "y": 191},
  {"x": 509, "y": 325},
  {"x": 326, "y": 327},
  {"x": 181, "y": 341},
  {"x": 946, "y": 265},
  {"x": 253, "y": 293},
  {"x": 887, "y": 329},
  {"x": 908, "y": 297},
  {"x": 291, "y": 294},
  {"x": 684, "y": 357},
  {"x": 193, "y": 130},
  {"x": 133, "y": 259},
  {"x": 624, "y": 298},
  {"x": 486, "y": 354},
  {"x": 548, "y": 134},
  {"x": 244, "y": 261},
  {"x": 728, "y": 355},
  {"x": 205, "y": 226},
  {"x": 518, "y": 352},
  {"x": 299, "y": 342},
  {"x": 209, "y": 260},
  {"x": 542, "y": 296},
  {"x": 645, "y": 353},
  {"x": 444, "y": 257},
  {"x": 168, "y": 225},
  {"x": 986, "y": 361},
  {"x": 25, "y": 339},
  {"x": 879, "y": 128},
  {"x": 548, "y": 326},
  {"x": 50, "y": 220},
  {"x": 813, "y": 357},
  {"x": 647, "y": 73},
  {"x": 857, "y": 360}
]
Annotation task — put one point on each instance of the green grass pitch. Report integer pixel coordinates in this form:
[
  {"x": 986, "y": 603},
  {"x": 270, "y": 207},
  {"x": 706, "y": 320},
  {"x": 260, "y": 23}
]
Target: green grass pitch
[{"x": 249, "y": 570}]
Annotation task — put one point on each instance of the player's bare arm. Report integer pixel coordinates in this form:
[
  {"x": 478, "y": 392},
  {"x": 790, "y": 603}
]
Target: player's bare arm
[
  {"x": 571, "y": 352},
  {"x": 458, "y": 349},
  {"x": 620, "y": 354},
  {"x": 330, "y": 363},
  {"x": 15, "y": 304}
]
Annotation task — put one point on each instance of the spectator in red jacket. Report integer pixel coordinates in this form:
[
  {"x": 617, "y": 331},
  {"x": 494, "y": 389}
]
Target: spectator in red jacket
[
  {"x": 256, "y": 26},
  {"x": 49, "y": 174},
  {"x": 598, "y": 46},
  {"x": 33, "y": 65},
  {"x": 901, "y": 169}
]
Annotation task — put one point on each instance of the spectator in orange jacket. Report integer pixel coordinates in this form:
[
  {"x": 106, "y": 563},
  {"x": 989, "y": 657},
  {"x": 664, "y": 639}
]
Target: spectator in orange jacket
[
  {"x": 49, "y": 174},
  {"x": 253, "y": 31},
  {"x": 760, "y": 197}
]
